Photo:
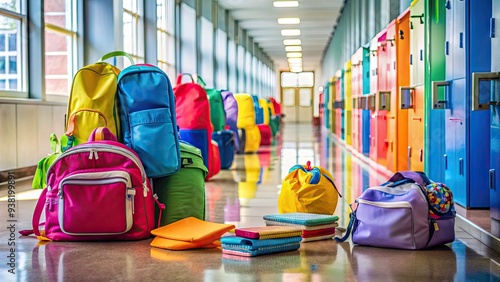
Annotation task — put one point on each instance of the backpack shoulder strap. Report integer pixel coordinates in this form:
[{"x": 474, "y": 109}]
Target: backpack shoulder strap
[{"x": 417, "y": 176}]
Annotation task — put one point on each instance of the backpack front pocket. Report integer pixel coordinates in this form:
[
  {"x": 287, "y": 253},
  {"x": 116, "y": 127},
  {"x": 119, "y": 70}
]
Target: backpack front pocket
[
  {"x": 96, "y": 203},
  {"x": 153, "y": 139},
  {"x": 396, "y": 223}
]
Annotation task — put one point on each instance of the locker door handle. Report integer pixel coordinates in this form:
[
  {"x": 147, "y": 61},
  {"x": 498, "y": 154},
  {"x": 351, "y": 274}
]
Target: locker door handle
[
  {"x": 445, "y": 161},
  {"x": 409, "y": 151},
  {"x": 448, "y": 5},
  {"x": 436, "y": 103},
  {"x": 461, "y": 40},
  {"x": 421, "y": 55},
  {"x": 461, "y": 166},
  {"x": 421, "y": 155},
  {"x": 492, "y": 179},
  {"x": 411, "y": 59},
  {"x": 447, "y": 48},
  {"x": 476, "y": 78}
]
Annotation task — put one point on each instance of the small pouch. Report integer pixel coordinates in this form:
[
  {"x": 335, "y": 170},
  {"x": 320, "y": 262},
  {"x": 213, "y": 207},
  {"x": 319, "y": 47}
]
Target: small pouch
[{"x": 189, "y": 233}]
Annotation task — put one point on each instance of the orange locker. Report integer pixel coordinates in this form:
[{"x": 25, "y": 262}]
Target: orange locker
[{"x": 398, "y": 74}]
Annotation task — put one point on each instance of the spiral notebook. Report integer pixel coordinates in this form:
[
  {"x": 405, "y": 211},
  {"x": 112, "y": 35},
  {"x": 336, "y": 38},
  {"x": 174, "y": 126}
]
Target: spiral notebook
[
  {"x": 268, "y": 232},
  {"x": 307, "y": 219}
]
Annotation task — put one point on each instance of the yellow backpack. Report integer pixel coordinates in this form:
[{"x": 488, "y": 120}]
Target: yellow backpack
[
  {"x": 308, "y": 189},
  {"x": 92, "y": 102}
]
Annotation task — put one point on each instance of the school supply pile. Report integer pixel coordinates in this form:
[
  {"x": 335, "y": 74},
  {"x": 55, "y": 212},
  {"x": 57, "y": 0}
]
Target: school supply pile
[
  {"x": 254, "y": 241},
  {"x": 314, "y": 227},
  {"x": 189, "y": 233}
]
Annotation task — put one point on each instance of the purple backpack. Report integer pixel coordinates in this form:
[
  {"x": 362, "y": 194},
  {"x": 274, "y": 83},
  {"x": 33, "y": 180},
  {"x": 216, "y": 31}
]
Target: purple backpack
[
  {"x": 231, "y": 109},
  {"x": 398, "y": 214}
]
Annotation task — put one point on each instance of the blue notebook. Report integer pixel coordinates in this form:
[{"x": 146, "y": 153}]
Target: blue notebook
[
  {"x": 236, "y": 245},
  {"x": 307, "y": 219}
]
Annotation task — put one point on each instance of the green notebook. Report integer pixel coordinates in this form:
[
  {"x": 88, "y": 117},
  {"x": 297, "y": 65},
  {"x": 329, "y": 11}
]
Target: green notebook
[{"x": 307, "y": 219}]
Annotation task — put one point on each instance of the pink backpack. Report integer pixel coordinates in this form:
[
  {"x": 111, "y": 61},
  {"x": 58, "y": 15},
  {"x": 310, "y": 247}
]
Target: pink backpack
[{"x": 96, "y": 191}]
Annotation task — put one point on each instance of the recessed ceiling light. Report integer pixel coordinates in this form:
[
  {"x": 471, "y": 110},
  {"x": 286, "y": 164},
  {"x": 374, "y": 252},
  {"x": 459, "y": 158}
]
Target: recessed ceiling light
[
  {"x": 288, "y": 20},
  {"x": 293, "y": 48},
  {"x": 296, "y": 69},
  {"x": 290, "y": 32},
  {"x": 294, "y": 55},
  {"x": 295, "y": 60},
  {"x": 292, "y": 42},
  {"x": 285, "y": 4}
]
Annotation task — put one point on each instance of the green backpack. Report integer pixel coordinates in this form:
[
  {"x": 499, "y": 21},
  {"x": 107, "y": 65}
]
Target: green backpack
[
  {"x": 40, "y": 178},
  {"x": 217, "y": 112},
  {"x": 183, "y": 192}
]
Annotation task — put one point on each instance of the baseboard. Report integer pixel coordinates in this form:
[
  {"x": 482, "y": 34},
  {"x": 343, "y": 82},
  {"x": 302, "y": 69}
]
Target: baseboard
[
  {"x": 478, "y": 233},
  {"x": 18, "y": 173}
]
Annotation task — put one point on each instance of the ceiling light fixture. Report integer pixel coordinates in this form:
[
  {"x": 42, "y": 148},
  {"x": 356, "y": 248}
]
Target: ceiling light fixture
[
  {"x": 296, "y": 69},
  {"x": 294, "y": 60},
  {"x": 292, "y": 42},
  {"x": 285, "y": 4},
  {"x": 294, "y": 55},
  {"x": 290, "y": 32},
  {"x": 293, "y": 48},
  {"x": 288, "y": 20}
]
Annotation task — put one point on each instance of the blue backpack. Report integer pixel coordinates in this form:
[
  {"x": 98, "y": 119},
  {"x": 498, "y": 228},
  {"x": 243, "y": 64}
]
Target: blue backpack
[
  {"x": 146, "y": 105},
  {"x": 259, "y": 111}
]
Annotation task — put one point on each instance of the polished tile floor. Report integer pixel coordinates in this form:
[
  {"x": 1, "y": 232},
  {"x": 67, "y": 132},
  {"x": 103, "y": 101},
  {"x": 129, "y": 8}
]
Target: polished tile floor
[{"x": 241, "y": 196}]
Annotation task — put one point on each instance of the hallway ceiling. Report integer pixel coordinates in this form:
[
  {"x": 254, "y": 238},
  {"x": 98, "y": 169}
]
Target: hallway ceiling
[{"x": 260, "y": 19}]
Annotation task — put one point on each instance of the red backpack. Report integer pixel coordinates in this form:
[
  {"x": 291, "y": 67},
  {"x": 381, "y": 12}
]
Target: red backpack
[{"x": 193, "y": 118}]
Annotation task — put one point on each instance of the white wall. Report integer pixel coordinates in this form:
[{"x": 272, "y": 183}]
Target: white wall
[{"x": 25, "y": 128}]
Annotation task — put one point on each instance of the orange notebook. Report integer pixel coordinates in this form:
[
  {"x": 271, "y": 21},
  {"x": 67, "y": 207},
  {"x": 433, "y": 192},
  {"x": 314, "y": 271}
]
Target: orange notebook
[
  {"x": 189, "y": 233},
  {"x": 268, "y": 232}
]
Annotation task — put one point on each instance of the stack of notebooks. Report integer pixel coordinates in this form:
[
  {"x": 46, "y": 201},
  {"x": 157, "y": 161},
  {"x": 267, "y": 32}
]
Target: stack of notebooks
[
  {"x": 254, "y": 241},
  {"x": 314, "y": 227}
]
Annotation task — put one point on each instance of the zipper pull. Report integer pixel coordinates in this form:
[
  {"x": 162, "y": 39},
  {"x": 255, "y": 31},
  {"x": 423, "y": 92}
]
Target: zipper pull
[
  {"x": 131, "y": 196},
  {"x": 146, "y": 189},
  {"x": 96, "y": 156},
  {"x": 91, "y": 153},
  {"x": 436, "y": 226}
]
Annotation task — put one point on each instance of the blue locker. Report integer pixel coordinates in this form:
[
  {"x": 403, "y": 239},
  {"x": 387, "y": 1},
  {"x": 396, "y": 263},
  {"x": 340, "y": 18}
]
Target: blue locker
[
  {"x": 467, "y": 136},
  {"x": 366, "y": 91},
  {"x": 326, "y": 105},
  {"x": 486, "y": 97}
]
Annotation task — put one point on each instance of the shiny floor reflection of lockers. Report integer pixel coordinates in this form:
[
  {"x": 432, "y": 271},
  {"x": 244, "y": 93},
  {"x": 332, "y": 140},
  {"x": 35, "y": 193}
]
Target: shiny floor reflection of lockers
[{"x": 242, "y": 196}]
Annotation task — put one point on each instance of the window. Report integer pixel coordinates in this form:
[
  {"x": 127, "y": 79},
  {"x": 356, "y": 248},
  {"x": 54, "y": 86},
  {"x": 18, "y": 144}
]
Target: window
[
  {"x": 60, "y": 46},
  {"x": 222, "y": 52},
  {"x": 165, "y": 33},
  {"x": 207, "y": 52},
  {"x": 188, "y": 39},
  {"x": 232, "y": 65},
  {"x": 133, "y": 35},
  {"x": 293, "y": 79},
  {"x": 12, "y": 51}
]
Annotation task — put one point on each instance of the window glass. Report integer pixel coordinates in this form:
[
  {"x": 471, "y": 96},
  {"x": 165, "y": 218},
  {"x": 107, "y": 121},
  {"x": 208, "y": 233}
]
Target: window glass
[
  {"x": 188, "y": 39},
  {"x": 207, "y": 54},
  {"x": 11, "y": 53},
  {"x": 132, "y": 34},
  {"x": 306, "y": 79},
  {"x": 241, "y": 69},
  {"x": 11, "y": 5},
  {"x": 12, "y": 42},
  {"x": 165, "y": 39},
  {"x": 60, "y": 46},
  {"x": 288, "y": 79},
  {"x": 231, "y": 58},
  {"x": 221, "y": 59}
]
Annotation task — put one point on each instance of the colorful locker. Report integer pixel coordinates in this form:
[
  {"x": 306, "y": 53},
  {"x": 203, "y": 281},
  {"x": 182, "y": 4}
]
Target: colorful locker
[
  {"x": 326, "y": 106},
  {"x": 348, "y": 102},
  {"x": 381, "y": 111},
  {"x": 371, "y": 98},
  {"x": 481, "y": 85},
  {"x": 357, "y": 91},
  {"x": 339, "y": 107},
  {"x": 412, "y": 96},
  {"x": 333, "y": 97},
  {"x": 398, "y": 68},
  {"x": 364, "y": 101},
  {"x": 434, "y": 145},
  {"x": 467, "y": 137}
]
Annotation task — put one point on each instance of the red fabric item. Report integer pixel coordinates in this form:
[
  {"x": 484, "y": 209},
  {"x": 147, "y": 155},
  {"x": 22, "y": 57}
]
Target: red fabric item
[
  {"x": 266, "y": 135},
  {"x": 192, "y": 109},
  {"x": 277, "y": 106}
]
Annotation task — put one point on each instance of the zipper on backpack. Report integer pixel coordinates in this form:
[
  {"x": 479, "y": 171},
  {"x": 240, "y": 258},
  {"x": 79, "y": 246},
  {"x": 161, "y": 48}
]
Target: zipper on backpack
[{"x": 390, "y": 205}]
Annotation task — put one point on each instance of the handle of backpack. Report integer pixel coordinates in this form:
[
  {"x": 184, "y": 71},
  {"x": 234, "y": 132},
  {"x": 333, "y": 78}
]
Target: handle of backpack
[
  {"x": 117, "y": 54},
  {"x": 200, "y": 81},
  {"x": 179, "y": 78},
  {"x": 102, "y": 134}
]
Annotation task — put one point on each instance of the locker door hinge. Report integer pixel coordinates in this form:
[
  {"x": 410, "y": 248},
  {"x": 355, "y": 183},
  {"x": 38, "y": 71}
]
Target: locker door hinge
[{"x": 492, "y": 28}]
